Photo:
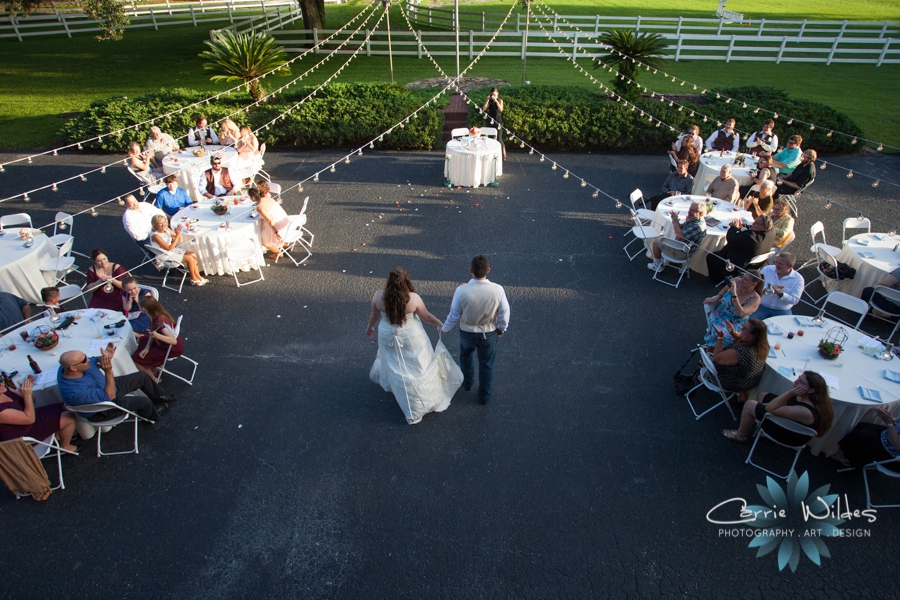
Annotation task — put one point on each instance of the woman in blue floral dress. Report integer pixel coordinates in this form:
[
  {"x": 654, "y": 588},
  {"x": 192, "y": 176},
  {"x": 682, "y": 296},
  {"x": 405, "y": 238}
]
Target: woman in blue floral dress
[{"x": 738, "y": 300}]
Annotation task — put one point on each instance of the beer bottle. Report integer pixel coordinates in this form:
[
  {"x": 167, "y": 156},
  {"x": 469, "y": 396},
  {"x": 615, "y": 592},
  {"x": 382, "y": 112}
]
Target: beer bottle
[{"x": 34, "y": 366}]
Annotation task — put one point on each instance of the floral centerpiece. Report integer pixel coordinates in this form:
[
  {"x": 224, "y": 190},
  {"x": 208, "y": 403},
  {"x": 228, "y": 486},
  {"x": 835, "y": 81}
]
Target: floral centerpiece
[
  {"x": 219, "y": 209},
  {"x": 44, "y": 338},
  {"x": 833, "y": 344},
  {"x": 199, "y": 152},
  {"x": 476, "y": 131}
]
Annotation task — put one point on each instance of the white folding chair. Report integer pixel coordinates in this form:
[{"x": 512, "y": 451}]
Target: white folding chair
[
  {"x": 759, "y": 260},
  {"x": 490, "y": 132},
  {"x": 169, "y": 266},
  {"x": 883, "y": 468},
  {"x": 15, "y": 220},
  {"x": 646, "y": 215},
  {"x": 676, "y": 254},
  {"x": 816, "y": 229},
  {"x": 785, "y": 433},
  {"x": 848, "y": 302},
  {"x": 259, "y": 170},
  {"x": 459, "y": 132},
  {"x": 790, "y": 238},
  {"x": 892, "y": 296},
  {"x": 153, "y": 291},
  {"x": 164, "y": 369},
  {"x": 709, "y": 379},
  {"x": 824, "y": 257},
  {"x": 63, "y": 263},
  {"x": 153, "y": 185},
  {"x": 292, "y": 237},
  {"x": 673, "y": 162},
  {"x": 48, "y": 448},
  {"x": 275, "y": 191},
  {"x": 707, "y": 179},
  {"x": 641, "y": 232},
  {"x": 241, "y": 254},
  {"x": 855, "y": 223},
  {"x": 67, "y": 292},
  {"x": 126, "y": 416}
]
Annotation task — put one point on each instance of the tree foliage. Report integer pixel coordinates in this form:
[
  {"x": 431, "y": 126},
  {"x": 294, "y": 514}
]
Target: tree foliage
[
  {"x": 243, "y": 57},
  {"x": 15, "y": 7},
  {"x": 110, "y": 14},
  {"x": 637, "y": 47}
]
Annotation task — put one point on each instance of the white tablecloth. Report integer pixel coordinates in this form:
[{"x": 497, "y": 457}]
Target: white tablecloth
[
  {"x": 472, "y": 161},
  {"x": 209, "y": 238},
  {"x": 712, "y": 162},
  {"x": 190, "y": 168},
  {"x": 715, "y": 236},
  {"x": 20, "y": 267},
  {"x": 869, "y": 270},
  {"x": 852, "y": 368}
]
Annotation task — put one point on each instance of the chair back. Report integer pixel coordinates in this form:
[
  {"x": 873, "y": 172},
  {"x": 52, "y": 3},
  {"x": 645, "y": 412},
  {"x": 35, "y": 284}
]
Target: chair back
[
  {"x": 890, "y": 294},
  {"x": 303, "y": 208},
  {"x": 67, "y": 292},
  {"x": 458, "y": 132},
  {"x": 753, "y": 188},
  {"x": 262, "y": 150},
  {"x": 635, "y": 197},
  {"x": 142, "y": 176},
  {"x": 814, "y": 230},
  {"x": 823, "y": 256},
  {"x": 153, "y": 291},
  {"x": 15, "y": 219},
  {"x": 63, "y": 221},
  {"x": 790, "y": 238},
  {"x": 759, "y": 260},
  {"x": 64, "y": 249},
  {"x": 673, "y": 161},
  {"x": 786, "y": 432},
  {"x": 856, "y": 223},
  {"x": 490, "y": 132},
  {"x": 674, "y": 251},
  {"x": 294, "y": 231},
  {"x": 848, "y": 302},
  {"x": 712, "y": 379}
]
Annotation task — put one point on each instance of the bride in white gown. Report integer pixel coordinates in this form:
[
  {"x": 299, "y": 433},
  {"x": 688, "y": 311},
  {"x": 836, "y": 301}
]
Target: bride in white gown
[{"x": 422, "y": 379}]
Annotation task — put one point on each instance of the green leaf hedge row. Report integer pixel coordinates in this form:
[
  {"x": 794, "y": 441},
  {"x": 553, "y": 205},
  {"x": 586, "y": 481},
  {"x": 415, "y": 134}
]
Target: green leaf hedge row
[{"x": 574, "y": 118}]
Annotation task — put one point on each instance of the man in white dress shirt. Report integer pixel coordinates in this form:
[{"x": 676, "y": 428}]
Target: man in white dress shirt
[
  {"x": 784, "y": 287},
  {"x": 136, "y": 219},
  {"x": 482, "y": 311},
  {"x": 215, "y": 182},
  {"x": 764, "y": 141},
  {"x": 202, "y": 133}
]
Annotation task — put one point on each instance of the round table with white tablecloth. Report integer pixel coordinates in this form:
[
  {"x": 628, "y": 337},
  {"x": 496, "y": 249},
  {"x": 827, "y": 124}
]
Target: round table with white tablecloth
[
  {"x": 190, "y": 168},
  {"x": 209, "y": 238},
  {"x": 851, "y": 370},
  {"x": 20, "y": 267},
  {"x": 711, "y": 164},
  {"x": 723, "y": 211},
  {"x": 473, "y": 161},
  {"x": 873, "y": 256}
]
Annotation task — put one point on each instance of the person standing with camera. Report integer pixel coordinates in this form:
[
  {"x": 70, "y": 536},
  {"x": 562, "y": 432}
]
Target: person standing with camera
[{"x": 493, "y": 106}]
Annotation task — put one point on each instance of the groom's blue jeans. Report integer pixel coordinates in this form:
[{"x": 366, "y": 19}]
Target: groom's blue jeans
[{"x": 486, "y": 344}]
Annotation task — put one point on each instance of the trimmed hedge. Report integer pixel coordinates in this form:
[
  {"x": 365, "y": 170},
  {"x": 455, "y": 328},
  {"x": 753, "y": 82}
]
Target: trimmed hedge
[
  {"x": 574, "y": 118},
  {"x": 338, "y": 115}
]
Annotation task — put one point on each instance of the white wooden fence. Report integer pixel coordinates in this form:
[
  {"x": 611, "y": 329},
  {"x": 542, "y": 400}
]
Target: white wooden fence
[
  {"x": 686, "y": 46},
  {"x": 67, "y": 18}
]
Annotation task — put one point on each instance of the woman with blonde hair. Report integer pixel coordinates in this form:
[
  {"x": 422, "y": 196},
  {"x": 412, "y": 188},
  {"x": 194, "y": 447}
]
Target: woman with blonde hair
[
  {"x": 153, "y": 345},
  {"x": 422, "y": 379},
  {"x": 274, "y": 222},
  {"x": 142, "y": 165},
  {"x": 167, "y": 241},
  {"x": 230, "y": 133}
]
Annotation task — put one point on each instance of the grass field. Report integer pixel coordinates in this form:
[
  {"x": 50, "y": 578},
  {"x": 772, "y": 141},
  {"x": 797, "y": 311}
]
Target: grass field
[{"x": 41, "y": 79}]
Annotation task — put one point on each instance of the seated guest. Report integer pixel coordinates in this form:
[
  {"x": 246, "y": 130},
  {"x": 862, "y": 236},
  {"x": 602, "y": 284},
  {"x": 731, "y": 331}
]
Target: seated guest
[
  {"x": 173, "y": 198},
  {"x": 800, "y": 177},
  {"x": 152, "y": 347},
  {"x": 167, "y": 241},
  {"x": 136, "y": 219},
  {"x": 230, "y": 133},
  {"x": 692, "y": 232},
  {"x": 891, "y": 280},
  {"x": 677, "y": 183},
  {"x": 158, "y": 145},
  {"x": 84, "y": 380},
  {"x": 724, "y": 187},
  {"x": 216, "y": 181},
  {"x": 741, "y": 245},
  {"x": 740, "y": 368},
  {"x": 132, "y": 293},
  {"x": 140, "y": 164},
  {"x": 725, "y": 139},
  {"x": 869, "y": 442},
  {"x": 789, "y": 157},
  {"x": 784, "y": 287},
  {"x": 764, "y": 171},
  {"x": 760, "y": 202},
  {"x": 693, "y": 134},
  {"x": 782, "y": 221},
  {"x": 806, "y": 403},
  {"x": 248, "y": 152},
  {"x": 13, "y": 311},
  {"x": 105, "y": 278},
  {"x": 688, "y": 154},
  {"x": 50, "y": 299},
  {"x": 201, "y": 133},
  {"x": 274, "y": 222},
  {"x": 764, "y": 141},
  {"x": 20, "y": 418},
  {"x": 733, "y": 305}
]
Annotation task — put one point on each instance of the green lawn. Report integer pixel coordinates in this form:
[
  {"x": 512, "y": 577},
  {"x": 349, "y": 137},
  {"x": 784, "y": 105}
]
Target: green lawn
[{"x": 43, "y": 78}]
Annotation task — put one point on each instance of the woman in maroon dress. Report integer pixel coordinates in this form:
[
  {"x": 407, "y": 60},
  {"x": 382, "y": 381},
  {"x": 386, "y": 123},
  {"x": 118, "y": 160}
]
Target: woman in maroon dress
[
  {"x": 153, "y": 345},
  {"x": 105, "y": 278},
  {"x": 19, "y": 417}
]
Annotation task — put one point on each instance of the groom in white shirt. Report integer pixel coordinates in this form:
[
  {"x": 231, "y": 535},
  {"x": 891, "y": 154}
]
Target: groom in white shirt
[{"x": 482, "y": 311}]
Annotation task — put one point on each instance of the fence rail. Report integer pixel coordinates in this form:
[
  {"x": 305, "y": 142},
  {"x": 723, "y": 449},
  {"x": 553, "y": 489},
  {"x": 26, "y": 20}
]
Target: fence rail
[
  {"x": 686, "y": 46},
  {"x": 68, "y": 19}
]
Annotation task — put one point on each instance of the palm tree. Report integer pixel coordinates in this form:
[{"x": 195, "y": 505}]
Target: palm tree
[
  {"x": 629, "y": 49},
  {"x": 243, "y": 57}
]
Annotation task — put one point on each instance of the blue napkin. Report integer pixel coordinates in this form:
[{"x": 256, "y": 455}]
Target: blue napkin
[
  {"x": 870, "y": 394},
  {"x": 785, "y": 372}
]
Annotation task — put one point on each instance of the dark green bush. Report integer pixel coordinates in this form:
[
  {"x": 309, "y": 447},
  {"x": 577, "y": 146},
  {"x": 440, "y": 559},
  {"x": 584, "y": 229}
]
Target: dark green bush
[
  {"x": 339, "y": 115},
  {"x": 575, "y": 118}
]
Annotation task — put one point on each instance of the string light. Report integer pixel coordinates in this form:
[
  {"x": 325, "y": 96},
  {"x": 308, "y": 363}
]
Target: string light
[
  {"x": 583, "y": 183},
  {"x": 850, "y": 174},
  {"x": 554, "y": 166},
  {"x": 596, "y": 193},
  {"x": 542, "y": 158},
  {"x": 82, "y": 177},
  {"x": 728, "y": 266},
  {"x": 120, "y": 201},
  {"x": 29, "y": 160},
  {"x": 347, "y": 161},
  {"x": 824, "y": 164},
  {"x": 828, "y": 204},
  {"x": 880, "y": 147},
  {"x": 54, "y": 188},
  {"x": 316, "y": 177},
  {"x": 875, "y": 183},
  {"x": 94, "y": 212},
  {"x": 26, "y": 198},
  {"x": 531, "y": 151},
  {"x": 332, "y": 168},
  {"x": 618, "y": 204},
  {"x": 566, "y": 175}
]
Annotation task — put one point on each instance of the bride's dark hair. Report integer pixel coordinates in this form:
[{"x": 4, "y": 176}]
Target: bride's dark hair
[{"x": 396, "y": 295}]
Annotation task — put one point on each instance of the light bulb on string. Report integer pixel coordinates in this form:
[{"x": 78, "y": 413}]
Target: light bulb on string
[
  {"x": 728, "y": 266},
  {"x": 316, "y": 177},
  {"x": 54, "y": 153},
  {"x": 566, "y": 175},
  {"x": 359, "y": 152},
  {"x": 531, "y": 151},
  {"x": 824, "y": 164},
  {"x": 583, "y": 183},
  {"x": 79, "y": 146},
  {"x": 828, "y": 204},
  {"x": 300, "y": 186},
  {"x": 829, "y": 134},
  {"x": 718, "y": 123},
  {"x": 94, "y": 212},
  {"x": 875, "y": 183},
  {"x": 812, "y": 127},
  {"x": 729, "y": 102},
  {"x": 554, "y": 166},
  {"x": 54, "y": 188},
  {"x": 790, "y": 122},
  {"x": 82, "y": 177},
  {"x": 332, "y": 169},
  {"x": 850, "y": 174},
  {"x": 704, "y": 118},
  {"x": 618, "y": 204},
  {"x": 120, "y": 200},
  {"x": 143, "y": 192},
  {"x": 854, "y": 141},
  {"x": 103, "y": 169},
  {"x": 542, "y": 158},
  {"x": 522, "y": 145},
  {"x": 26, "y": 198},
  {"x": 596, "y": 193},
  {"x": 692, "y": 113},
  {"x": 347, "y": 161},
  {"x": 774, "y": 115},
  {"x": 880, "y": 147}
]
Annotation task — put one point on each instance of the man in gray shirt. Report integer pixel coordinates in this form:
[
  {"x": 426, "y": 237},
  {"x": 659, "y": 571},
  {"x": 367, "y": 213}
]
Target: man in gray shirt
[{"x": 678, "y": 183}]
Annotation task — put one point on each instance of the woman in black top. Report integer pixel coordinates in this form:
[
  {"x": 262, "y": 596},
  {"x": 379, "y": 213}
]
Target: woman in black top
[
  {"x": 806, "y": 403},
  {"x": 493, "y": 106}
]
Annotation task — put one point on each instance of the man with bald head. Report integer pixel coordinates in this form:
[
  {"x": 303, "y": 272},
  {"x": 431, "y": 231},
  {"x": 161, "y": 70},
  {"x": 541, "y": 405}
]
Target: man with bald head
[
  {"x": 84, "y": 380},
  {"x": 724, "y": 187}
]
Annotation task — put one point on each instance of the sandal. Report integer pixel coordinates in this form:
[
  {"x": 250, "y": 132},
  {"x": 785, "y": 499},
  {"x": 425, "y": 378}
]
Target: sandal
[
  {"x": 732, "y": 434},
  {"x": 839, "y": 457}
]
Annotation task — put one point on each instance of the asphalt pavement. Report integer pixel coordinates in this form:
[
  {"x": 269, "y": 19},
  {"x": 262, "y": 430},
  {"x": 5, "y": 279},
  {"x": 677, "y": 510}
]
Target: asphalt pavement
[{"x": 285, "y": 472}]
